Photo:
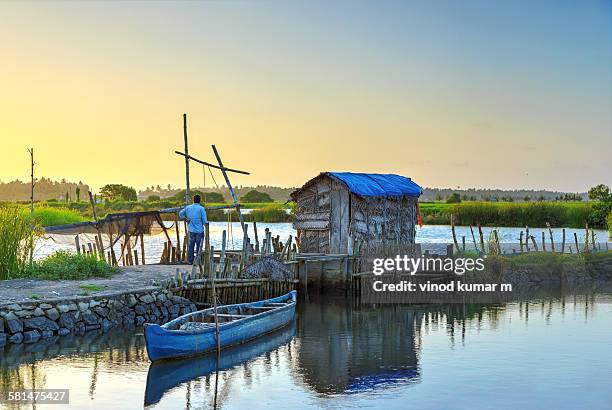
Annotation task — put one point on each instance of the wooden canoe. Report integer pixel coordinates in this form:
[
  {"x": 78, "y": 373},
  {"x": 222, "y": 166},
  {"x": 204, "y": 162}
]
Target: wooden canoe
[
  {"x": 194, "y": 333},
  {"x": 165, "y": 375}
]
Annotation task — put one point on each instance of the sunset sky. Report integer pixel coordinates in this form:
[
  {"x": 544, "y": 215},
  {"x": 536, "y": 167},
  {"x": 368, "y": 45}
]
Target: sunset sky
[{"x": 503, "y": 94}]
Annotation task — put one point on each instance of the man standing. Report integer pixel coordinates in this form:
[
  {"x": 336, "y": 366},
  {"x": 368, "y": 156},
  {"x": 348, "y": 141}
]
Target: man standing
[{"x": 195, "y": 215}]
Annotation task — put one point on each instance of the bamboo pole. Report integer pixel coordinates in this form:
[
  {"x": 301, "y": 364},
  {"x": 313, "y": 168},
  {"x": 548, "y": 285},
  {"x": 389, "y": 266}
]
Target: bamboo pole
[
  {"x": 256, "y": 237},
  {"x": 229, "y": 186},
  {"x": 186, "y": 159}
]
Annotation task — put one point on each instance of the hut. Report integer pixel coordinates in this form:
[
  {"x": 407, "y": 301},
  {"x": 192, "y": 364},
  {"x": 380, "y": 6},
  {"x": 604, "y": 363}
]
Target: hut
[{"x": 355, "y": 213}]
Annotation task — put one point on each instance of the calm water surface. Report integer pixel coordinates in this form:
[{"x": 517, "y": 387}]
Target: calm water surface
[
  {"x": 551, "y": 352},
  {"x": 432, "y": 237}
]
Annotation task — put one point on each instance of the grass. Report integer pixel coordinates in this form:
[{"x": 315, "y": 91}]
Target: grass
[
  {"x": 18, "y": 234},
  {"x": 35, "y": 296},
  {"x": 64, "y": 265},
  {"x": 535, "y": 214},
  {"x": 56, "y": 216},
  {"x": 610, "y": 225},
  {"x": 92, "y": 287}
]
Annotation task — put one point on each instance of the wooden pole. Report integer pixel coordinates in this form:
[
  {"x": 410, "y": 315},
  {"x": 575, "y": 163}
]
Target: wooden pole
[
  {"x": 563, "y": 242},
  {"x": 256, "y": 237},
  {"x": 78, "y": 246},
  {"x": 222, "y": 260},
  {"x": 576, "y": 241},
  {"x": 142, "y": 249},
  {"x": 229, "y": 186},
  {"x": 31, "y": 151},
  {"x": 482, "y": 247},
  {"x": 178, "y": 240},
  {"x": 93, "y": 209},
  {"x": 543, "y": 242},
  {"x": 186, "y": 160},
  {"x": 454, "y": 233},
  {"x": 473, "y": 237},
  {"x": 550, "y": 233}
]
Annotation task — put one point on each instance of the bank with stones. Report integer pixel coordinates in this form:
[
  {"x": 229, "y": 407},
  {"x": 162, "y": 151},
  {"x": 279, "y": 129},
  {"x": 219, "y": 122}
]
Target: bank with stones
[{"x": 29, "y": 322}]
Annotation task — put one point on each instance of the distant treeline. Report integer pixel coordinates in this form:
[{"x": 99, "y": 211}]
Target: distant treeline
[
  {"x": 278, "y": 194},
  {"x": 501, "y": 195},
  {"x": 43, "y": 190}
]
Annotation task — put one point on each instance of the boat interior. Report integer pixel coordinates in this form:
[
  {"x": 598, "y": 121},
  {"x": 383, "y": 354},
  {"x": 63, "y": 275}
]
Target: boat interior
[{"x": 225, "y": 314}]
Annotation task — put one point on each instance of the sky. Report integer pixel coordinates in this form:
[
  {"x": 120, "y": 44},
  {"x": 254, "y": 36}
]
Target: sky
[{"x": 450, "y": 93}]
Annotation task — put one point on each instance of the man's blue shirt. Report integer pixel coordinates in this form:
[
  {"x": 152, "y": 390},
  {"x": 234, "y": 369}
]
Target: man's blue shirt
[{"x": 196, "y": 214}]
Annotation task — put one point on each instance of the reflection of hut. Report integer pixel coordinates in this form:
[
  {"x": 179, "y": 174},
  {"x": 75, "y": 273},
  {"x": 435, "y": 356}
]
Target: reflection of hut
[
  {"x": 339, "y": 212},
  {"x": 362, "y": 347}
]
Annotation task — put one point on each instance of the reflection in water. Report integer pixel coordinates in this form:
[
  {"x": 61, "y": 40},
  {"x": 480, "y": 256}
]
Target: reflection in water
[
  {"x": 163, "y": 376},
  {"x": 338, "y": 354}
]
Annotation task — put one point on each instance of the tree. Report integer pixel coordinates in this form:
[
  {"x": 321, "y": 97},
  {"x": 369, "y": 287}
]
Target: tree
[
  {"x": 454, "y": 198},
  {"x": 153, "y": 198},
  {"x": 600, "y": 192},
  {"x": 115, "y": 192},
  {"x": 602, "y": 206},
  {"x": 255, "y": 196},
  {"x": 78, "y": 194}
]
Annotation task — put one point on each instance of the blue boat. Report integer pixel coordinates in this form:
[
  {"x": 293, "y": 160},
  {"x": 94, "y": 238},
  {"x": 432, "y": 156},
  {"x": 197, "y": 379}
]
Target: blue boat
[
  {"x": 195, "y": 333},
  {"x": 166, "y": 375}
]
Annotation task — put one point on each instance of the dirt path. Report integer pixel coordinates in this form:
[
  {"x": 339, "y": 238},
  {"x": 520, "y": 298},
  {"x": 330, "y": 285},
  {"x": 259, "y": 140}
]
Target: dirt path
[{"x": 132, "y": 277}]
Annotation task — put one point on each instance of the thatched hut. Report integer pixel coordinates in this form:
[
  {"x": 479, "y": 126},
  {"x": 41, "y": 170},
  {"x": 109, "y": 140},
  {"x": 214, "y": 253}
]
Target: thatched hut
[{"x": 345, "y": 212}]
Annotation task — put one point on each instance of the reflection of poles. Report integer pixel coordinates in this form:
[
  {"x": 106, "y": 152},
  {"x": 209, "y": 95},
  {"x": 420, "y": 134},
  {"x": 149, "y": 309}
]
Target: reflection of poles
[{"x": 94, "y": 378}]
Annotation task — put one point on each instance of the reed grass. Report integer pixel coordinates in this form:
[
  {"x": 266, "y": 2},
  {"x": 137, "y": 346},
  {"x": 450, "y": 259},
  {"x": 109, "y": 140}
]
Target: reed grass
[
  {"x": 56, "y": 216},
  {"x": 535, "y": 214},
  {"x": 18, "y": 234},
  {"x": 610, "y": 225}
]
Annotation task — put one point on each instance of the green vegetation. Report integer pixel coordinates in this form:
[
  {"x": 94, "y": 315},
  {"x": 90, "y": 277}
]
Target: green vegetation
[
  {"x": 35, "y": 296},
  {"x": 18, "y": 234},
  {"x": 610, "y": 224},
  {"x": 207, "y": 197},
  {"x": 256, "y": 196},
  {"x": 454, "y": 198},
  {"x": 602, "y": 206},
  {"x": 536, "y": 214},
  {"x": 64, "y": 265},
  {"x": 270, "y": 213},
  {"x": 47, "y": 216},
  {"x": 92, "y": 287},
  {"x": 114, "y": 192}
]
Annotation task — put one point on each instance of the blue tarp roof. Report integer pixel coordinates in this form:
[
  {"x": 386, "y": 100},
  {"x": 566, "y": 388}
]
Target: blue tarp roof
[{"x": 384, "y": 185}]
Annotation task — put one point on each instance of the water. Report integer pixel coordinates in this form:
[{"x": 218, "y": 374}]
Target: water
[
  {"x": 551, "y": 352},
  {"x": 431, "y": 236}
]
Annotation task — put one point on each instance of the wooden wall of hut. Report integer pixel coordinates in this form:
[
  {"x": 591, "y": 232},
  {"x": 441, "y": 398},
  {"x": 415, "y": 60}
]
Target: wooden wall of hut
[{"x": 330, "y": 219}]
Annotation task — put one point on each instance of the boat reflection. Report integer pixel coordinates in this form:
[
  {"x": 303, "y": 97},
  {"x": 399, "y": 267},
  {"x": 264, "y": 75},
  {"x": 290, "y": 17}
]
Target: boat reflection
[{"x": 167, "y": 375}]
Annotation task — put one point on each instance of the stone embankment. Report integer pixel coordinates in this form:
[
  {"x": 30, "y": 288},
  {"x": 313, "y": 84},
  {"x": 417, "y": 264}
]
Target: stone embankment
[{"x": 30, "y": 322}]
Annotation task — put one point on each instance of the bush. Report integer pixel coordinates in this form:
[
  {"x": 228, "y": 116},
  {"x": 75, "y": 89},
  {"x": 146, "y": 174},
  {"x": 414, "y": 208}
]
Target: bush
[
  {"x": 64, "y": 265},
  {"x": 255, "y": 196},
  {"x": 18, "y": 234},
  {"x": 453, "y": 199},
  {"x": 153, "y": 198}
]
